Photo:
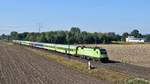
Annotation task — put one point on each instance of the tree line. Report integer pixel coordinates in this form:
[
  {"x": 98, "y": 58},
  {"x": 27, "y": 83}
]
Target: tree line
[{"x": 74, "y": 36}]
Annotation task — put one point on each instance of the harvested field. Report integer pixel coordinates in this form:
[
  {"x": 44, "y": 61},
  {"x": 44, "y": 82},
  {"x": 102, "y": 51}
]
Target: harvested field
[
  {"x": 20, "y": 66},
  {"x": 137, "y": 54}
]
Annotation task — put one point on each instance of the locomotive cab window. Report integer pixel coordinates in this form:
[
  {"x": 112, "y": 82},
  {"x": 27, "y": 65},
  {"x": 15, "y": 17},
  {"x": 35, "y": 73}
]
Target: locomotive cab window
[{"x": 103, "y": 51}]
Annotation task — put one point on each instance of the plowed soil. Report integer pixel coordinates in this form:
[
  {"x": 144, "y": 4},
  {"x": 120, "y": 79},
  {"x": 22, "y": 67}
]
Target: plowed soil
[{"x": 20, "y": 66}]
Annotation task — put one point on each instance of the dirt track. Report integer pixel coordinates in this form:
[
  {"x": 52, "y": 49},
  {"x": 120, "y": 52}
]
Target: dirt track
[{"x": 20, "y": 66}]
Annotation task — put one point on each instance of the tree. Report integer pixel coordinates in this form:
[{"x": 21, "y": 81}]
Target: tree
[
  {"x": 59, "y": 36},
  {"x": 14, "y": 35},
  {"x": 69, "y": 38},
  {"x": 90, "y": 38},
  {"x": 3, "y": 36},
  {"x": 95, "y": 36},
  {"x": 24, "y": 35},
  {"x": 74, "y": 36},
  {"x": 117, "y": 37},
  {"x": 41, "y": 37},
  {"x": 48, "y": 37},
  {"x": 75, "y": 30},
  {"x": 31, "y": 37},
  {"x": 124, "y": 36},
  {"x": 147, "y": 37},
  {"x": 104, "y": 39},
  {"x": 84, "y": 37},
  {"x": 111, "y": 36},
  {"x": 136, "y": 33}
]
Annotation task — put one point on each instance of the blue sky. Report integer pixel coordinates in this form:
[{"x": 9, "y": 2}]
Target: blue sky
[{"x": 90, "y": 15}]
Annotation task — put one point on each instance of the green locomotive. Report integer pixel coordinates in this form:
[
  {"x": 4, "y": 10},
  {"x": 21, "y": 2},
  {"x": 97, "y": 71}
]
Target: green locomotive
[{"x": 81, "y": 51}]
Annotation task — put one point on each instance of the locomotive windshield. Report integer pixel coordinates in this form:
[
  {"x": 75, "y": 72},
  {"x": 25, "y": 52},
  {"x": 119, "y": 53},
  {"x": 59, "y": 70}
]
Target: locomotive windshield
[{"x": 103, "y": 51}]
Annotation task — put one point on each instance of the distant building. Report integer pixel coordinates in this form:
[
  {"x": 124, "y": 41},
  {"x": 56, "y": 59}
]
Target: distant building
[{"x": 133, "y": 39}]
